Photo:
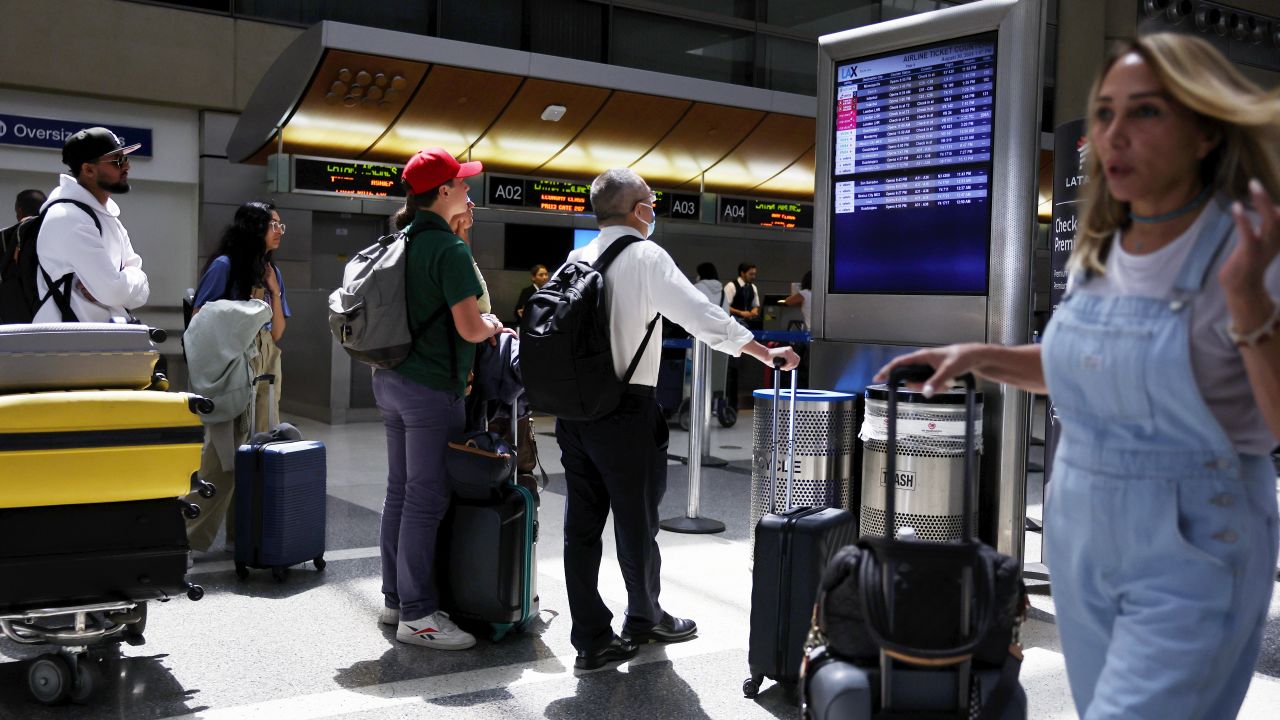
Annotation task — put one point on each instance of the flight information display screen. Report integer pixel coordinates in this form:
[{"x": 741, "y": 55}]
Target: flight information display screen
[{"x": 912, "y": 156}]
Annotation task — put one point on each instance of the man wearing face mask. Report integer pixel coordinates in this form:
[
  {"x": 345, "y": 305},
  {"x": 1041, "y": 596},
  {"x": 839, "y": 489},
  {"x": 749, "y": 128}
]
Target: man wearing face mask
[{"x": 619, "y": 462}]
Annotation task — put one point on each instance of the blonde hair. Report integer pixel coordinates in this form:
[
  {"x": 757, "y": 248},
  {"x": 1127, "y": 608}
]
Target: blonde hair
[{"x": 1245, "y": 118}]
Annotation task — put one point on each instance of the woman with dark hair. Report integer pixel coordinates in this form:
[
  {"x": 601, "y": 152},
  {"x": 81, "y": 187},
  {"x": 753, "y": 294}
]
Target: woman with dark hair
[
  {"x": 241, "y": 268},
  {"x": 422, "y": 399}
]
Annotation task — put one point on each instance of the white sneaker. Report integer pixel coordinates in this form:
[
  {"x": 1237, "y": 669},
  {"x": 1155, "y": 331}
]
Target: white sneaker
[
  {"x": 389, "y": 616},
  {"x": 435, "y": 631}
]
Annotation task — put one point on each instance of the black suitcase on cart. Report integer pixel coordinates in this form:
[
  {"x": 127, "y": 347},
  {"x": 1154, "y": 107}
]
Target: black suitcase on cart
[
  {"x": 791, "y": 550},
  {"x": 53, "y": 555}
]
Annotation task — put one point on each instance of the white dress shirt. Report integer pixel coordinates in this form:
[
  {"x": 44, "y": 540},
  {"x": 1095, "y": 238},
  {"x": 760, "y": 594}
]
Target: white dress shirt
[
  {"x": 644, "y": 281},
  {"x": 104, "y": 263}
]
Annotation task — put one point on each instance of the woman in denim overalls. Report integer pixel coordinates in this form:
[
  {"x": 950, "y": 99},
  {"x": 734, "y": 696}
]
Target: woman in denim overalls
[{"x": 1160, "y": 525}]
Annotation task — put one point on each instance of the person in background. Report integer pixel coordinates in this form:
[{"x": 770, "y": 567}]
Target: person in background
[
  {"x": 27, "y": 204},
  {"x": 708, "y": 281},
  {"x": 539, "y": 275},
  {"x": 97, "y": 277},
  {"x": 241, "y": 268},
  {"x": 421, "y": 400},
  {"x": 803, "y": 299},
  {"x": 744, "y": 297},
  {"x": 1163, "y": 362}
]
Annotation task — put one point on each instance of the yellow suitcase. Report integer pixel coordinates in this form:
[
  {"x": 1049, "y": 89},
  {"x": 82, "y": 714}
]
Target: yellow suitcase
[{"x": 95, "y": 446}]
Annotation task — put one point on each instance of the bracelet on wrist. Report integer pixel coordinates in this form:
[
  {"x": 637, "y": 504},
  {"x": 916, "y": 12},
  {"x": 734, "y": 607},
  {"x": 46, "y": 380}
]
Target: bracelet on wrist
[{"x": 1258, "y": 335}]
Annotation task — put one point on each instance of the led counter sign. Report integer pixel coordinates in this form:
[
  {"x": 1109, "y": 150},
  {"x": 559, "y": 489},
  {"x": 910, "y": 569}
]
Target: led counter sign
[
  {"x": 342, "y": 177},
  {"x": 765, "y": 213},
  {"x": 552, "y": 195}
]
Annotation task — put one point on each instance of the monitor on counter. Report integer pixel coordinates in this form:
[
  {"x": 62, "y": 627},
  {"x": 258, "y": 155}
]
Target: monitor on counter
[
  {"x": 582, "y": 236},
  {"x": 912, "y": 157}
]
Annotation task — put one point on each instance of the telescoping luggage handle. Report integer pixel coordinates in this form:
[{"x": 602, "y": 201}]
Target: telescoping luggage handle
[
  {"x": 920, "y": 373},
  {"x": 791, "y": 437}
]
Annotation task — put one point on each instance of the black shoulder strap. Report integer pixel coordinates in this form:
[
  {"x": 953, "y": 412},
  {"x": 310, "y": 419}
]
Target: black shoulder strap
[
  {"x": 60, "y": 290},
  {"x": 92, "y": 215},
  {"x": 606, "y": 258},
  {"x": 635, "y": 359}
]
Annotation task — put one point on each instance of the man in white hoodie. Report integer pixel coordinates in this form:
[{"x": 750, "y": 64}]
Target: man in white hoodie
[{"x": 88, "y": 257}]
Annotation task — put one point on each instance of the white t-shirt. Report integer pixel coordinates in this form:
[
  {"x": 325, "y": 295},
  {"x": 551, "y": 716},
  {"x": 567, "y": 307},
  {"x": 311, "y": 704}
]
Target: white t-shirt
[
  {"x": 806, "y": 308},
  {"x": 1215, "y": 360}
]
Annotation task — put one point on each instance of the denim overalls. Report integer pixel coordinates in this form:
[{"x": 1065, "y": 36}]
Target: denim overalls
[{"x": 1161, "y": 537}]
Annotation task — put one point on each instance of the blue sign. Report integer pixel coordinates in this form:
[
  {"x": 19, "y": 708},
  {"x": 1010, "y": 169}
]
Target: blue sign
[{"x": 46, "y": 133}]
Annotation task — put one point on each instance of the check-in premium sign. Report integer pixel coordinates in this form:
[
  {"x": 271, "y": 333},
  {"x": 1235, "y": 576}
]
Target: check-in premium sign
[
  {"x": 1070, "y": 150},
  {"x": 25, "y": 131}
]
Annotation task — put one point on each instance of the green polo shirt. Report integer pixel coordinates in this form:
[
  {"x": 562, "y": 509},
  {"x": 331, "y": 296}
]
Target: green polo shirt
[{"x": 439, "y": 272}]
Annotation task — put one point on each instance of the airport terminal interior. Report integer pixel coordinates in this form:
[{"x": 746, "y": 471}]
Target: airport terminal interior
[{"x": 765, "y": 128}]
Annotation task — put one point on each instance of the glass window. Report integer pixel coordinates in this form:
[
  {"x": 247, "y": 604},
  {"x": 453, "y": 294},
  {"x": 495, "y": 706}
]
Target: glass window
[
  {"x": 818, "y": 17},
  {"x": 485, "y": 22},
  {"x": 407, "y": 15},
  {"x": 568, "y": 28},
  {"x": 741, "y": 9},
  {"x": 685, "y": 48},
  {"x": 791, "y": 65}
]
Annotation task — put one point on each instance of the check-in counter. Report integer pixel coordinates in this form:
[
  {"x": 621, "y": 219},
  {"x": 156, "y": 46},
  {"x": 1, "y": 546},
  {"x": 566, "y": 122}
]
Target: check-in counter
[{"x": 320, "y": 380}]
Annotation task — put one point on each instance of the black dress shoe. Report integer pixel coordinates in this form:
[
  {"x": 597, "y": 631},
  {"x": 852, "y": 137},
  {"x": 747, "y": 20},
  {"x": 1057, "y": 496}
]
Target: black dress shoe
[
  {"x": 669, "y": 630},
  {"x": 617, "y": 650}
]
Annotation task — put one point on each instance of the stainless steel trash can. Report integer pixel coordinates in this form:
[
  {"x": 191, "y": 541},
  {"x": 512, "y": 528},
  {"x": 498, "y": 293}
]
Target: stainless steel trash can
[
  {"x": 823, "y": 452},
  {"x": 930, "y": 463}
]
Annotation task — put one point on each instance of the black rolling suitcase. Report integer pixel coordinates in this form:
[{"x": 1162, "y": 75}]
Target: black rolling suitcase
[
  {"x": 791, "y": 549},
  {"x": 909, "y": 628},
  {"x": 95, "y": 552},
  {"x": 488, "y": 556}
]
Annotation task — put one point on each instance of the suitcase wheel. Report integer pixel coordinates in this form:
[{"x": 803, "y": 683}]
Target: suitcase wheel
[
  {"x": 49, "y": 679},
  {"x": 751, "y": 686},
  {"x": 242, "y": 571},
  {"x": 88, "y": 679},
  {"x": 194, "y": 592},
  {"x": 134, "y": 630},
  {"x": 207, "y": 490},
  {"x": 727, "y": 415},
  {"x": 319, "y": 563}
]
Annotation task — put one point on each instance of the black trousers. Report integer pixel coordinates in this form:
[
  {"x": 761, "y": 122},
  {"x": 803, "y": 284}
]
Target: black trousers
[{"x": 616, "y": 463}]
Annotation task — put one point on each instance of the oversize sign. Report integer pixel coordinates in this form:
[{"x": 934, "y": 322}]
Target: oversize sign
[{"x": 51, "y": 133}]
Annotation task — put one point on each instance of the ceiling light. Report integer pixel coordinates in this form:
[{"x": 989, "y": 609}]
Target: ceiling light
[{"x": 553, "y": 113}]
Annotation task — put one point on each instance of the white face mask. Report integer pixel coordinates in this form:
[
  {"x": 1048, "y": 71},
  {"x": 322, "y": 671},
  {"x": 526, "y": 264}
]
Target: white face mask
[{"x": 650, "y": 224}]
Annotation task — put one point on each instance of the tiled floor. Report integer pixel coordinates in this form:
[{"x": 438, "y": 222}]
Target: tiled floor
[{"x": 310, "y": 647}]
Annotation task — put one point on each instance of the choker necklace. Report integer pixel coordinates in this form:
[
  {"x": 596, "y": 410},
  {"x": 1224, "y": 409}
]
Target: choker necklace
[{"x": 1196, "y": 202}]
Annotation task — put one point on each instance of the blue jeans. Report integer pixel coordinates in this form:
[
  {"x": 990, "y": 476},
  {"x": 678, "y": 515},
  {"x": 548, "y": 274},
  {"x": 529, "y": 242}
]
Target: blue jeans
[{"x": 419, "y": 422}]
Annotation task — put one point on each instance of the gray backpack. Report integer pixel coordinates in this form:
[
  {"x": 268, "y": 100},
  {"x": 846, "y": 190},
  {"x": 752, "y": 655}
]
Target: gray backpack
[{"x": 369, "y": 314}]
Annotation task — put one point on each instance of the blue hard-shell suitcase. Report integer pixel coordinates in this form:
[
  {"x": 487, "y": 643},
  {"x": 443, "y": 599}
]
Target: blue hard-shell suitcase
[{"x": 280, "y": 506}]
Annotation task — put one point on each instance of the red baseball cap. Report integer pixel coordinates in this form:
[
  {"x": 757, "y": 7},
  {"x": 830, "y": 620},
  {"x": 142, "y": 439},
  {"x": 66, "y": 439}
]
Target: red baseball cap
[{"x": 429, "y": 169}]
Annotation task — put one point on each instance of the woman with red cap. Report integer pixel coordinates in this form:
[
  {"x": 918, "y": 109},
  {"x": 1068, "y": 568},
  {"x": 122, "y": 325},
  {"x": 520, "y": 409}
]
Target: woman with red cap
[{"x": 421, "y": 400}]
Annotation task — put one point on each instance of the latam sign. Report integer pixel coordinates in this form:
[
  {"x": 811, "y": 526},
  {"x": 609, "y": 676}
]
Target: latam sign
[{"x": 49, "y": 133}]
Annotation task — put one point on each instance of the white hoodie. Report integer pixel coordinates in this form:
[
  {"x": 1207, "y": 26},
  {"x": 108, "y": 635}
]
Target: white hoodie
[{"x": 104, "y": 263}]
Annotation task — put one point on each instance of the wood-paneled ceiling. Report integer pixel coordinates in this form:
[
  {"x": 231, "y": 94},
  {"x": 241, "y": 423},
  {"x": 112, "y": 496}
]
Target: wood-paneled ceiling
[{"x": 374, "y": 107}]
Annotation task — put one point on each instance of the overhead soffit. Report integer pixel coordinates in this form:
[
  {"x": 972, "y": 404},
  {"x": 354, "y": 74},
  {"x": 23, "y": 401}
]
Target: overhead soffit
[{"x": 493, "y": 115}]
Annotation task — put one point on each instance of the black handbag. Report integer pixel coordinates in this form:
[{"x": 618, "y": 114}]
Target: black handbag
[
  {"x": 922, "y": 603},
  {"x": 478, "y": 464}
]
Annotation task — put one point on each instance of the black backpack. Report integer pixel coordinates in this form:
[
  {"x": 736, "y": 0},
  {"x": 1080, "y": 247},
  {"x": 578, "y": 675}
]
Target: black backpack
[
  {"x": 565, "y": 355},
  {"x": 19, "y": 292}
]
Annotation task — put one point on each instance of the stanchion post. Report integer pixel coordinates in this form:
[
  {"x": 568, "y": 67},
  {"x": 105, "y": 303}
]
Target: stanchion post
[{"x": 699, "y": 413}]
